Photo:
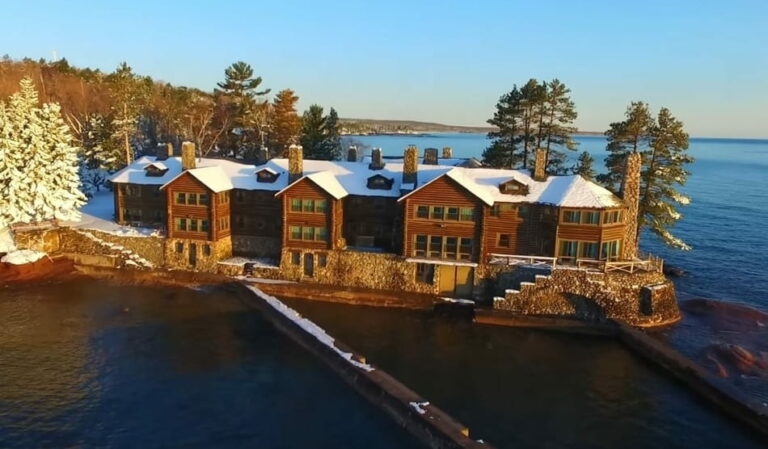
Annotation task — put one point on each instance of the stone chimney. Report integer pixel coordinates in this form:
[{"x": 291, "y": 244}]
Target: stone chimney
[
  {"x": 540, "y": 165},
  {"x": 188, "y": 156},
  {"x": 262, "y": 155},
  {"x": 630, "y": 192},
  {"x": 295, "y": 163},
  {"x": 163, "y": 152},
  {"x": 447, "y": 152},
  {"x": 410, "y": 164},
  {"x": 430, "y": 156},
  {"x": 352, "y": 154},
  {"x": 377, "y": 159}
]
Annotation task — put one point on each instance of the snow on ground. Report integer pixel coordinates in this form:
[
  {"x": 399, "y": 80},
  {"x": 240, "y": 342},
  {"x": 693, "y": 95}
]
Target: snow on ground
[
  {"x": 255, "y": 262},
  {"x": 98, "y": 214},
  {"x": 6, "y": 241},
  {"x": 132, "y": 258},
  {"x": 419, "y": 406},
  {"x": 312, "y": 328},
  {"x": 23, "y": 256}
]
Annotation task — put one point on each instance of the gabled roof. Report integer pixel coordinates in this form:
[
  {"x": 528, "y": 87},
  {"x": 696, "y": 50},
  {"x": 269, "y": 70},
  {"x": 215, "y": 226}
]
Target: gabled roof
[
  {"x": 212, "y": 177},
  {"x": 325, "y": 180},
  {"x": 158, "y": 165}
]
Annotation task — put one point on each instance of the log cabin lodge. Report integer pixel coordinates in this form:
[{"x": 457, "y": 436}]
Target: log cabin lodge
[{"x": 430, "y": 215}]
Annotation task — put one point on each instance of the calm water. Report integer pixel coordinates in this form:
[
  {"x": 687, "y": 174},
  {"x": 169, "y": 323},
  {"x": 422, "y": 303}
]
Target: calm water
[
  {"x": 526, "y": 389},
  {"x": 89, "y": 365},
  {"x": 726, "y": 223}
]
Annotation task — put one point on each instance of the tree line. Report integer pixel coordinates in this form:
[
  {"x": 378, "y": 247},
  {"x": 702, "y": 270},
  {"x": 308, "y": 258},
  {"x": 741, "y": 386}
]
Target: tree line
[
  {"x": 115, "y": 117},
  {"x": 541, "y": 115}
]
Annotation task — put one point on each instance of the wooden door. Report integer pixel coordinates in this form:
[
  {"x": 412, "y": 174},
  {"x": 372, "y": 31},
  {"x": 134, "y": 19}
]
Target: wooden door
[
  {"x": 447, "y": 280},
  {"x": 309, "y": 264},
  {"x": 464, "y": 282},
  {"x": 193, "y": 254}
]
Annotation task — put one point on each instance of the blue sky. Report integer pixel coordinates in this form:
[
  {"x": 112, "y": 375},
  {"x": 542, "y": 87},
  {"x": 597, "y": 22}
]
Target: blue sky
[{"x": 444, "y": 61}]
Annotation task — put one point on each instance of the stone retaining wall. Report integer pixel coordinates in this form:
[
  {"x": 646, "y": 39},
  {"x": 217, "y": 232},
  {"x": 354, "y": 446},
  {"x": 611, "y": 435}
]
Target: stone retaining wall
[{"x": 640, "y": 299}]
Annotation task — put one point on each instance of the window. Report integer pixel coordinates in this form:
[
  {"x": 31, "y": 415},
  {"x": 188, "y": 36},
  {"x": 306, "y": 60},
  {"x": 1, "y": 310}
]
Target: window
[
  {"x": 435, "y": 246},
  {"x": 181, "y": 224},
  {"x": 192, "y": 199},
  {"x": 610, "y": 250},
  {"x": 321, "y": 234},
  {"x": 309, "y": 233},
  {"x": 322, "y": 260},
  {"x": 504, "y": 240},
  {"x": 568, "y": 248},
  {"x": 420, "y": 246},
  {"x": 524, "y": 211},
  {"x": 204, "y": 199},
  {"x": 321, "y": 206},
  {"x": 451, "y": 247},
  {"x": 437, "y": 213},
  {"x": 181, "y": 198},
  {"x": 612, "y": 216},
  {"x": 571, "y": 216},
  {"x": 295, "y": 258},
  {"x": 592, "y": 218},
  {"x": 193, "y": 225},
  {"x": 425, "y": 273},
  {"x": 588, "y": 250},
  {"x": 452, "y": 213},
  {"x": 204, "y": 225},
  {"x": 308, "y": 205},
  {"x": 295, "y": 232},
  {"x": 295, "y": 205},
  {"x": 224, "y": 223},
  {"x": 422, "y": 211},
  {"x": 206, "y": 250},
  {"x": 500, "y": 208},
  {"x": 467, "y": 213},
  {"x": 132, "y": 191},
  {"x": 465, "y": 249},
  {"x": 179, "y": 247}
]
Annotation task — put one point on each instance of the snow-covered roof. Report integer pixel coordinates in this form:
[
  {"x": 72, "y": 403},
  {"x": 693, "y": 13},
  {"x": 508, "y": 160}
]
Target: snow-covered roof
[
  {"x": 158, "y": 165},
  {"x": 341, "y": 178},
  {"x": 326, "y": 181},
  {"x": 212, "y": 177}
]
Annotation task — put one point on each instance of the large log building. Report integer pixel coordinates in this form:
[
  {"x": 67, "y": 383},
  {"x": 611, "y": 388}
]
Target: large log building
[{"x": 427, "y": 211}]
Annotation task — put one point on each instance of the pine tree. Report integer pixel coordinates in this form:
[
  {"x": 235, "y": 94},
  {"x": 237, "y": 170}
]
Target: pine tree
[
  {"x": 39, "y": 177},
  {"x": 331, "y": 149},
  {"x": 285, "y": 123},
  {"x": 503, "y": 151},
  {"x": 313, "y": 132},
  {"x": 129, "y": 96},
  {"x": 662, "y": 144},
  {"x": 531, "y": 97},
  {"x": 664, "y": 169},
  {"x": 584, "y": 166},
  {"x": 556, "y": 128},
  {"x": 248, "y": 112},
  {"x": 631, "y": 135}
]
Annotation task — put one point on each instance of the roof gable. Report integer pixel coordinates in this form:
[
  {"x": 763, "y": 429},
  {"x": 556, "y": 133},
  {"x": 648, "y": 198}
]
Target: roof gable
[
  {"x": 213, "y": 178},
  {"x": 325, "y": 180}
]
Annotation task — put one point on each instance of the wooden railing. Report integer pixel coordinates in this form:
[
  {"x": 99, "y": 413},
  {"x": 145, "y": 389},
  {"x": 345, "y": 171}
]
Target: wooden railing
[
  {"x": 645, "y": 262},
  {"x": 514, "y": 259}
]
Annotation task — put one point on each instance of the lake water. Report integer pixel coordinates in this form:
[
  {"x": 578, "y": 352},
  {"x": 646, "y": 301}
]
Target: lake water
[
  {"x": 86, "y": 364},
  {"x": 727, "y": 222}
]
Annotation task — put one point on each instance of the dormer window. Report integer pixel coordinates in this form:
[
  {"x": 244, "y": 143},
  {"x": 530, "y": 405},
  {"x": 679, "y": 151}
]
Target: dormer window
[
  {"x": 267, "y": 175},
  {"x": 379, "y": 182},
  {"x": 155, "y": 169},
  {"x": 513, "y": 187}
]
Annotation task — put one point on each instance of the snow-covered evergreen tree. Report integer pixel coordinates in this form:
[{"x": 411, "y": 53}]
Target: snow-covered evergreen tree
[
  {"x": 39, "y": 167},
  {"x": 100, "y": 154}
]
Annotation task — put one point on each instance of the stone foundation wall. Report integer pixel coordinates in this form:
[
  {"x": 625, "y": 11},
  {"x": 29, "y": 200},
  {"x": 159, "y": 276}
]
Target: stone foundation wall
[
  {"x": 208, "y": 253},
  {"x": 358, "y": 269},
  {"x": 256, "y": 246},
  {"x": 46, "y": 240},
  {"x": 640, "y": 299}
]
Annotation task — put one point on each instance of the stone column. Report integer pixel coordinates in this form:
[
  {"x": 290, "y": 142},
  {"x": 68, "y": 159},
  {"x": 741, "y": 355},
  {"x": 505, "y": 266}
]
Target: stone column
[
  {"x": 352, "y": 154},
  {"x": 430, "y": 156},
  {"x": 187, "y": 156},
  {"x": 410, "y": 165},
  {"x": 630, "y": 192},
  {"x": 377, "y": 159},
  {"x": 540, "y": 165},
  {"x": 295, "y": 163}
]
